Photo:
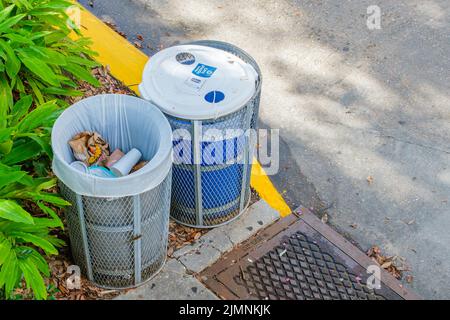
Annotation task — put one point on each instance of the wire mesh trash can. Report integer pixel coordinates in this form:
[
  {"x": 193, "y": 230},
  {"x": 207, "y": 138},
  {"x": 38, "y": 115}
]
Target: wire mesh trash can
[
  {"x": 118, "y": 227},
  {"x": 210, "y": 93}
]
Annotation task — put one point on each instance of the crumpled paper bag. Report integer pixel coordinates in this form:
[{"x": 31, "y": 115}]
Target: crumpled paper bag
[{"x": 90, "y": 148}]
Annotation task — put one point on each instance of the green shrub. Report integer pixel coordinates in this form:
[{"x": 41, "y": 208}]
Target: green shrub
[
  {"x": 20, "y": 233},
  {"x": 39, "y": 65},
  {"x": 37, "y": 56}
]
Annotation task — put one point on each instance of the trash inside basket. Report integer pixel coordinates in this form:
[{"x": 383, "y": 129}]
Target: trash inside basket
[{"x": 118, "y": 228}]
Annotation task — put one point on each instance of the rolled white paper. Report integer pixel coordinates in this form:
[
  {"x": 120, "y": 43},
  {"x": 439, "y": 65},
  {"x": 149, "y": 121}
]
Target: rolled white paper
[{"x": 124, "y": 166}]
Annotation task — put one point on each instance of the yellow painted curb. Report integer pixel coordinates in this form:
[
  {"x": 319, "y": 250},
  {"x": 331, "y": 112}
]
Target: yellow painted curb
[
  {"x": 267, "y": 191},
  {"x": 127, "y": 63}
]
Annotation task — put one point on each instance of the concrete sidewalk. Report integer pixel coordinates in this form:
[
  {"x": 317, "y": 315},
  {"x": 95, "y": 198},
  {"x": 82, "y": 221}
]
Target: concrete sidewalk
[
  {"x": 177, "y": 280},
  {"x": 351, "y": 103}
]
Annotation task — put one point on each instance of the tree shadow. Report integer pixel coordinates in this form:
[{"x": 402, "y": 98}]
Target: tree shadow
[{"x": 351, "y": 103}]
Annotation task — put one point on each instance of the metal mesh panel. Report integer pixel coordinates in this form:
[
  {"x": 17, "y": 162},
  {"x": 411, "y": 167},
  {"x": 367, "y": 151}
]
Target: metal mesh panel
[
  {"x": 119, "y": 242},
  {"x": 224, "y": 188},
  {"x": 207, "y": 192}
]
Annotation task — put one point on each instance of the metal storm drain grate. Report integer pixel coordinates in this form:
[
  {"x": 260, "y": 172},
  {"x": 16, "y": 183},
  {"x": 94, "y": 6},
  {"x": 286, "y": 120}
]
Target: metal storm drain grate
[
  {"x": 299, "y": 258},
  {"x": 298, "y": 269}
]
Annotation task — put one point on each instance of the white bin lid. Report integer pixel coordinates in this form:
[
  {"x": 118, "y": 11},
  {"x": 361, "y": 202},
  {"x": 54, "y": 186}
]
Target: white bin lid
[{"x": 197, "y": 82}]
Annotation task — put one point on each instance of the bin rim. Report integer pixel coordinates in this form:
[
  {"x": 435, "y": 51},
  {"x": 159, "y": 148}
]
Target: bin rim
[
  {"x": 160, "y": 163},
  {"x": 189, "y": 112}
]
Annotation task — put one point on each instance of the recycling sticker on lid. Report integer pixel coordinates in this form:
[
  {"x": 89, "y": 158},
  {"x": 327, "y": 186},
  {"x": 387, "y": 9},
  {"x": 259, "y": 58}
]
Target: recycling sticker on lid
[
  {"x": 200, "y": 75},
  {"x": 204, "y": 71},
  {"x": 185, "y": 58}
]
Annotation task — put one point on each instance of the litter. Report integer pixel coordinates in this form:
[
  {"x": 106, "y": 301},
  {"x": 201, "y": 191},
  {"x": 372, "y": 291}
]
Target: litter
[
  {"x": 139, "y": 166},
  {"x": 80, "y": 166},
  {"x": 115, "y": 156},
  {"x": 101, "y": 172},
  {"x": 93, "y": 157},
  {"x": 90, "y": 148},
  {"x": 124, "y": 166}
]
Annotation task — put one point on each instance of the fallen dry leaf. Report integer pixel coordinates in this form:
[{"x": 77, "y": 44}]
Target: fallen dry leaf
[
  {"x": 114, "y": 27},
  {"x": 409, "y": 278},
  {"x": 390, "y": 264},
  {"x": 369, "y": 180}
]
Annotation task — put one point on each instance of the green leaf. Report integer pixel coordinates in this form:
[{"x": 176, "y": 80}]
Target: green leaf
[
  {"x": 55, "y": 21},
  {"x": 6, "y": 147},
  {"x": 63, "y": 92},
  {"x": 83, "y": 62},
  {"x": 20, "y": 109},
  {"x": 39, "y": 68},
  {"x": 23, "y": 4},
  {"x": 9, "y": 275},
  {"x": 12, "y": 62},
  {"x": 5, "y": 134},
  {"x": 8, "y": 23},
  {"x": 43, "y": 184},
  {"x": 39, "y": 117},
  {"x": 5, "y": 248},
  {"x": 6, "y": 12},
  {"x": 22, "y": 152},
  {"x": 19, "y": 85},
  {"x": 82, "y": 74},
  {"x": 40, "y": 34},
  {"x": 57, "y": 4},
  {"x": 48, "y": 223},
  {"x": 55, "y": 37},
  {"x": 6, "y": 100},
  {"x": 48, "y": 55},
  {"x": 37, "y": 92},
  {"x": 44, "y": 142},
  {"x": 7, "y": 178},
  {"x": 11, "y": 211},
  {"x": 38, "y": 260},
  {"x": 33, "y": 278},
  {"x": 49, "y": 198},
  {"x": 18, "y": 38},
  {"x": 36, "y": 240},
  {"x": 52, "y": 214}
]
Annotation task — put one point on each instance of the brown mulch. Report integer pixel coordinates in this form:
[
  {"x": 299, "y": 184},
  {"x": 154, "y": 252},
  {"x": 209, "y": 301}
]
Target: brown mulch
[
  {"x": 179, "y": 236},
  {"x": 109, "y": 85},
  {"x": 395, "y": 265}
]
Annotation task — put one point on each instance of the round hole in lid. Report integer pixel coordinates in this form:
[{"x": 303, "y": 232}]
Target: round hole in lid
[{"x": 214, "y": 96}]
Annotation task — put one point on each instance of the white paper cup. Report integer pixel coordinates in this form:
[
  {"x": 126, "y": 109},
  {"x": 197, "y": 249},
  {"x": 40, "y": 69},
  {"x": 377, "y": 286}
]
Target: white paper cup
[
  {"x": 124, "y": 166},
  {"x": 80, "y": 166}
]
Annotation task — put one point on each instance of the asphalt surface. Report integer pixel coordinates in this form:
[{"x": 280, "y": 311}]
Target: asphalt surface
[{"x": 364, "y": 115}]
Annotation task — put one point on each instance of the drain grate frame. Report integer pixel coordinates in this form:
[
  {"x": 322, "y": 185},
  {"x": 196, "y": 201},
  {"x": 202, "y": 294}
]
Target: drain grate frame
[{"x": 298, "y": 258}]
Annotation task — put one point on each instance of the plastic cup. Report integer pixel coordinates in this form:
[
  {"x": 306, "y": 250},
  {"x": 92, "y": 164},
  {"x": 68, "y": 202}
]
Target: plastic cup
[
  {"x": 101, "y": 172},
  {"x": 80, "y": 166},
  {"x": 124, "y": 166}
]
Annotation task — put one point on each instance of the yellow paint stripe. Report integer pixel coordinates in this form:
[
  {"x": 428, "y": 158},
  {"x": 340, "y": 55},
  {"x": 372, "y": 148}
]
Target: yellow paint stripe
[
  {"x": 125, "y": 61},
  {"x": 127, "y": 64},
  {"x": 266, "y": 190}
]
